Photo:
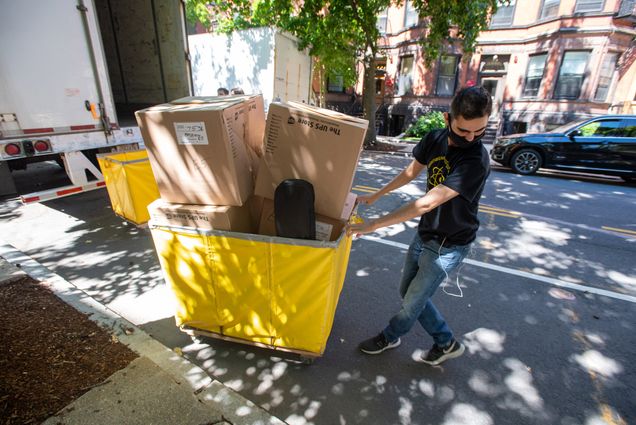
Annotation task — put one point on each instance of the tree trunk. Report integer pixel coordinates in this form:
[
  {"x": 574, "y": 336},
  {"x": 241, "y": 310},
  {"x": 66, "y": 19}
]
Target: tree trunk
[
  {"x": 368, "y": 99},
  {"x": 323, "y": 87},
  {"x": 319, "y": 72}
]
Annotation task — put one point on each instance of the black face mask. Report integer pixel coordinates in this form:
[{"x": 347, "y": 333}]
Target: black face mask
[{"x": 460, "y": 141}]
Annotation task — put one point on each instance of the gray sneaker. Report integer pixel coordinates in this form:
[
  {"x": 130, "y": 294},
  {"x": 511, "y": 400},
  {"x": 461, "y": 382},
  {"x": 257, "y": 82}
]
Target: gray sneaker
[
  {"x": 437, "y": 354},
  {"x": 377, "y": 344}
]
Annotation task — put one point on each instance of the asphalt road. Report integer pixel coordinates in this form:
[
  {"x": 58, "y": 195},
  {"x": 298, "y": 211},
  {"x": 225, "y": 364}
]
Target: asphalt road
[{"x": 547, "y": 313}]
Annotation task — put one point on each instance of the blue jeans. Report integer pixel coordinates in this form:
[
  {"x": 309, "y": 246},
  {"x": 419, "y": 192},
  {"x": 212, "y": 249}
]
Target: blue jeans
[{"x": 423, "y": 273}]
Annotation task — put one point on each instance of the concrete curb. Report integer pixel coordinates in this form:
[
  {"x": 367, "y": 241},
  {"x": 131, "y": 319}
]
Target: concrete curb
[{"x": 234, "y": 407}]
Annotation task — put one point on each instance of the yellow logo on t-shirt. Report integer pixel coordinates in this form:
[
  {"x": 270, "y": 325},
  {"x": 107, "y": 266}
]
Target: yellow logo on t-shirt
[{"x": 438, "y": 169}]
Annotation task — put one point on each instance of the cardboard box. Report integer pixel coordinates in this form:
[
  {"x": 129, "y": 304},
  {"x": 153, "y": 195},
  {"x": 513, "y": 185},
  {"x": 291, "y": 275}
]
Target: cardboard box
[
  {"x": 197, "y": 151},
  {"x": 256, "y": 208},
  {"x": 317, "y": 145},
  {"x": 204, "y": 217},
  {"x": 254, "y": 121},
  {"x": 265, "y": 184},
  {"x": 327, "y": 229},
  {"x": 254, "y": 128}
]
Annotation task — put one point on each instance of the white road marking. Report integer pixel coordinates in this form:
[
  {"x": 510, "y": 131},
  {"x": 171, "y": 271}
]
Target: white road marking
[{"x": 527, "y": 275}]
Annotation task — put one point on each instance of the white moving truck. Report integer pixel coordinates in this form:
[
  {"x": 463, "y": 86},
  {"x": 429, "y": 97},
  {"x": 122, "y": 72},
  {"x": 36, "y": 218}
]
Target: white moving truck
[
  {"x": 256, "y": 60},
  {"x": 72, "y": 73}
]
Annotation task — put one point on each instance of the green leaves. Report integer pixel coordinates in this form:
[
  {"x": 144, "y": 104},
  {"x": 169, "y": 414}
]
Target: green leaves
[
  {"x": 341, "y": 34},
  {"x": 453, "y": 21},
  {"x": 426, "y": 123}
]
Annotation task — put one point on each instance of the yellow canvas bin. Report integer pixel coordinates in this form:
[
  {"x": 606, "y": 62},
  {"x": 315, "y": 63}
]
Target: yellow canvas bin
[
  {"x": 130, "y": 183},
  {"x": 275, "y": 292}
]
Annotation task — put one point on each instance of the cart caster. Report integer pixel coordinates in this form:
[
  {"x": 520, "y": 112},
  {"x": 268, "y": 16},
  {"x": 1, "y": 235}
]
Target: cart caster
[
  {"x": 196, "y": 339},
  {"x": 307, "y": 360}
]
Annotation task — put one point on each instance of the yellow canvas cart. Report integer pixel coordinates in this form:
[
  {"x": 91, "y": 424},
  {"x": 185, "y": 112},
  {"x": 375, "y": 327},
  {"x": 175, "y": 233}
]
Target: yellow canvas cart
[
  {"x": 130, "y": 183},
  {"x": 267, "y": 291}
]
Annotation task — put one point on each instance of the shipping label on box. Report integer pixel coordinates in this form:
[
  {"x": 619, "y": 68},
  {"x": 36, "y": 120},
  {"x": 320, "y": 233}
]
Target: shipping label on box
[
  {"x": 191, "y": 133},
  {"x": 323, "y": 231}
]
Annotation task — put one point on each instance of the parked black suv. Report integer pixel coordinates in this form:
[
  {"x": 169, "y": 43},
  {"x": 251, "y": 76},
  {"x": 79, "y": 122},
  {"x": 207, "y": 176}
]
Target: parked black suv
[{"x": 601, "y": 145}]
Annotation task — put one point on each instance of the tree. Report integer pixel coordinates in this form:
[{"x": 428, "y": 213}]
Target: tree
[{"x": 341, "y": 33}]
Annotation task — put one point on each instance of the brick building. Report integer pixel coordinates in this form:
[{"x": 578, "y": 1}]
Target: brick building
[{"x": 545, "y": 62}]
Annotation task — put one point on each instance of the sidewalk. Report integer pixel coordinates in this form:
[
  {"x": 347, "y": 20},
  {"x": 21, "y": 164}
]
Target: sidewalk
[
  {"x": 159, "y": 387},
  {"x": 393, "y": 144}
]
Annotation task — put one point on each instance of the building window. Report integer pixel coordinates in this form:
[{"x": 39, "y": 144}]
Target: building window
[
  {"x": 494, "y": 64},
  {"x": 411, "y": 17},
  {"x": 571, "y": 75},
  {"x": 405, "y": 78},
  {"x": 447, "y": 76},
  {"x": 534, "y": 75},
  {"x": 588, "y": 6},
  {"x": 606, "y": 77},
  {"x": 335, "y": 84},
  {"x": 380, "y": 76},
  {"x": 504, "y": 16},
  {"x": 626, "y": 8},
  {"x": 382, "y": 20},
  {"x": 549, "y": 9}
]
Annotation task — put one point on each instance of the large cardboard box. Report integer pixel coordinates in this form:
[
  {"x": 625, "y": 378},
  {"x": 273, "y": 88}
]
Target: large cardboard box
[
  {"x": 202, "y": 217},
  {"x": 314, "y": 144},
  {"x": 197, "y": 151},
  {"x": 254, "y": 121},
  {"x": 327, "y": 229}
]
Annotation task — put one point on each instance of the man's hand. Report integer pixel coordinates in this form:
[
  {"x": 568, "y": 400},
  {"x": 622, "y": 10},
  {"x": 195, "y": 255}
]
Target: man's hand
[
  {"x": 360, "y": 228},
  {"x": 367, "y": 199}
]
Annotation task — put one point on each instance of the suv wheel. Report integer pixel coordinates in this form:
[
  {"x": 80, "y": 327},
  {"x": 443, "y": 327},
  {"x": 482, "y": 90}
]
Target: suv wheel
[{"x": 525, "y": 161}]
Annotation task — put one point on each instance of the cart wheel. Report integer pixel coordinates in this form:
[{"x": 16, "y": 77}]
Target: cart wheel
[
  {"x": 197, "y": 339},
  {"x": 307, "y": 360}
]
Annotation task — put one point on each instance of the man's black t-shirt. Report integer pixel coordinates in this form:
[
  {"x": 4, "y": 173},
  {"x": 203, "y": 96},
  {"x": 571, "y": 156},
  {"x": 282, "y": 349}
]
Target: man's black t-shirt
[{"x": 464, "y": 170}]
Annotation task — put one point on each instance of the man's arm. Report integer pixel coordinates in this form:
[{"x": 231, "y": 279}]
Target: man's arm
[
  {"x": 433, "y": 198},
  {"x": 406, "y": 176}
]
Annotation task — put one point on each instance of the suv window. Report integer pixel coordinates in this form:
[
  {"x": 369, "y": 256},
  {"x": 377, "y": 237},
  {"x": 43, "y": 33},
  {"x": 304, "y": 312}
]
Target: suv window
[
  {"x": 602, "y": 128},
  {"x": 629, "y": 128}
]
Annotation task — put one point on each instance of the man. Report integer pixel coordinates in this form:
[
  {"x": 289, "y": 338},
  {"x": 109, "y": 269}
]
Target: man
[
  {"x": 458, "y": 166},
  {"x": 222, "y": 91}
]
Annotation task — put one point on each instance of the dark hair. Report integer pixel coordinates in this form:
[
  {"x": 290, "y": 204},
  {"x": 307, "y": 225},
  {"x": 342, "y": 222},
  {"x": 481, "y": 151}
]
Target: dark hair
[
  {"x": 222, "y": 91},
  {"x": 237, "y": 90},
  {"x": 471, "y": 102}
]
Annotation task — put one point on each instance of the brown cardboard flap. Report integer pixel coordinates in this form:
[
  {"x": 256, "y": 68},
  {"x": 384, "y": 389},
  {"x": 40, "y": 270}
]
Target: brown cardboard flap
[
  {"x": 329, "y": 114},
  {"x": 205, "y": 217}
]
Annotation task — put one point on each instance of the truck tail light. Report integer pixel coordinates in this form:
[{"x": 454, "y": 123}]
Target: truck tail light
[
  {"x": 41, "y": 146},
  {"x": 12, "y": 149}
]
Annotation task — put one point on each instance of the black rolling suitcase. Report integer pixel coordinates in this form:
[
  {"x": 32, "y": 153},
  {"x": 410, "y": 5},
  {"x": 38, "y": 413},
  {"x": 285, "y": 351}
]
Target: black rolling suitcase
[{"x": 294, "y": 209}]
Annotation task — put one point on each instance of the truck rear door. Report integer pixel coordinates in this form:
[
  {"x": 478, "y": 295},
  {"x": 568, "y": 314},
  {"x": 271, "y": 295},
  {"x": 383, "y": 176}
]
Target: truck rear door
[
  {"x": 292, "y": 70},
  {"x": 49, "y": 74}
]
